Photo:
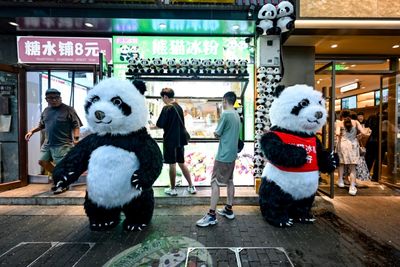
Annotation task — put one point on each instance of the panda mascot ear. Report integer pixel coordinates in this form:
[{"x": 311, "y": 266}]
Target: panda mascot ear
[
  {"x": 278, "y": 90},
  {"x": 140, "y": 85}
]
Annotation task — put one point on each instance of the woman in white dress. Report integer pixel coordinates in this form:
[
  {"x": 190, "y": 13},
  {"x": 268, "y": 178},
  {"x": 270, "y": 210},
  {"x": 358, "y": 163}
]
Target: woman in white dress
[{"x": 348, "y": 147}]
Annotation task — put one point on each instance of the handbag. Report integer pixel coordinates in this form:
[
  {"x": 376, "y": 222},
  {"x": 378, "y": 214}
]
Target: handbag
[{"x": 185, "y": 132}]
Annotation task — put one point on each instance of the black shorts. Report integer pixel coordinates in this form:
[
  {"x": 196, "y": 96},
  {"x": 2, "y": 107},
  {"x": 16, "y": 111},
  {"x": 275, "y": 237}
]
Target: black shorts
[{"x": 173, "y": 154}]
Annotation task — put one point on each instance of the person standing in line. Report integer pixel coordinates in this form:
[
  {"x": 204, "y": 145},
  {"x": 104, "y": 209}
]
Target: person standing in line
[
  {"x": 348, "y": 148},
  {"x": 172, "y": 121},
  {"x": 228, "y": 133},
  {"x": 61, "y": 124}
]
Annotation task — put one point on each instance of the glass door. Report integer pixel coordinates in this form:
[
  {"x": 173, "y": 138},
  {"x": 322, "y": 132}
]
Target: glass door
[
  {"x": 389, "y": 150},
  {"x": 12, "y": 174},
  {"x": 325, "y": 82}
]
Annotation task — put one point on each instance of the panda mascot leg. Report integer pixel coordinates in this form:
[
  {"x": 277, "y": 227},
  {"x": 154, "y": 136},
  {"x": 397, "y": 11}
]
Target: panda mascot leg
[
  {"x": 101, "y": 218},
  {"x": 139, "y": 211},
  {"x": 274, "y": 204},
  {"x": 300, "y": 210}
]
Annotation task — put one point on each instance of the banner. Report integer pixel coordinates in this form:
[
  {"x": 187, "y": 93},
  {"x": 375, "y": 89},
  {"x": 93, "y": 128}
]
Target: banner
[{"x": 63, "y": 50}]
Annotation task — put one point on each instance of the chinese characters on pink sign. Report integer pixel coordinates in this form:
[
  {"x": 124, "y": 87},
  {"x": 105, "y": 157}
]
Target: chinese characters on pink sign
[{"x": 63, "y": 50}]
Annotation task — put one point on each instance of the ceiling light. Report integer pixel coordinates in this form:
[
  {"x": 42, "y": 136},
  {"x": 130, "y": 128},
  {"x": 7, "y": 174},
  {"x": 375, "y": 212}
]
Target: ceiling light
[
  {"x": 363, "y": 87},
  {"x": 163, "y": 25},
  {"x": 349, "y": 87},
  {"x": 89, "y": 25},
  {"x": 334, "y": 46},
  {"x": 13, "y": 23},
  {"x": 346, "y": 68},
  {"x": 353, "y": 65},
  {"x": 235, "y": 27},
  {"x": 356, "y": 80},
  {"x": 318, "y": 82},
  {"x": 396, "y": 46}
]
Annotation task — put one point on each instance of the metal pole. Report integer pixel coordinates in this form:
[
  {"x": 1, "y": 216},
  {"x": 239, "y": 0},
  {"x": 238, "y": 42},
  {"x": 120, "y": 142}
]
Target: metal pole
[{"x": 332, "y": 124}]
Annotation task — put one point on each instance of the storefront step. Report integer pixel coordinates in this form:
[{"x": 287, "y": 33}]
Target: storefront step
[{"x": 40, "y": 194}]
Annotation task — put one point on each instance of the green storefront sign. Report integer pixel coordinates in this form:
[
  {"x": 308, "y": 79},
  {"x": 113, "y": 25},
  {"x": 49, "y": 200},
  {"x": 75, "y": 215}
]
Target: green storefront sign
[{"x": 167, "y": 47}]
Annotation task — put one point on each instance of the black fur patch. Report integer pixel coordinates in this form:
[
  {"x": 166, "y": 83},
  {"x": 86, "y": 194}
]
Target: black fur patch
[
  {"x": 87, "y": 106},
  {"x": 140, "y": 86},
  {"x": 278, "y": 90},
  {"x": 125, "y": 108},
  {"x": 302, "y": 104}
]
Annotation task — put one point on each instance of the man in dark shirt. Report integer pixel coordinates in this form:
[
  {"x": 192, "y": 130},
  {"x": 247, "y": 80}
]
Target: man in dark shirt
[
  {"x": 61, "y": 124},
  {"x": 172, "y": 121}
]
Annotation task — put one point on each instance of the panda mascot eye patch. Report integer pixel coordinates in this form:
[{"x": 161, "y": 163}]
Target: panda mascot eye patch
[
  {"x": 121, "y": 158},
  {"x": 294, "y": 155}
]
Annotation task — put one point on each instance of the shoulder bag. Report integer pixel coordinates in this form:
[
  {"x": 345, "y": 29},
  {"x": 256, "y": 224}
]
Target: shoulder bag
[{"x": 187, "y": 135}]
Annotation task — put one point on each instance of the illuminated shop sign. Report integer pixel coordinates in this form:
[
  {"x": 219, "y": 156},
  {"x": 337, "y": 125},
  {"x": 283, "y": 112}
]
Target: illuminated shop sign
[
  {"x": 63, "y": 50},
  {"x": 125, "y": 47}
]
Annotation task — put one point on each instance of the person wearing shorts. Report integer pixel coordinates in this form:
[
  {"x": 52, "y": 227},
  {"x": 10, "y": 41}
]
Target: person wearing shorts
[
  {"x": 172, "y": 121},
  {"x": 61, "y": 124},
  {"x": 228, "y": 133}
]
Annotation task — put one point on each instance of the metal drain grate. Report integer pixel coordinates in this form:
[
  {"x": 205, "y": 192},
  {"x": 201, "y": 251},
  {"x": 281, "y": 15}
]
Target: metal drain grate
[
  {"x": 238, "y": 256},
  {"x": 45, "y": 254}
]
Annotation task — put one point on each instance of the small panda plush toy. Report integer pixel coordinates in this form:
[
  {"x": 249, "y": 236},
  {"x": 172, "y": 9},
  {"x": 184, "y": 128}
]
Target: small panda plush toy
[
  {"x": 294, "y": 156},
  {"x": 122, "y": 160},
  {"x": 194, "y": 66},
  {"x": 265, "y": 20},
  {"x": 146, "y": 65},
  {"x": 219, "y": 65},
  {"x": 285, "y": 16}
]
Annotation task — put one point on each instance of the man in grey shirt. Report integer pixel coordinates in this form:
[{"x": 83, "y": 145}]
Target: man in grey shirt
[
  {"x": 228, "y": 133},
  {"x": 61, "y": 124}
]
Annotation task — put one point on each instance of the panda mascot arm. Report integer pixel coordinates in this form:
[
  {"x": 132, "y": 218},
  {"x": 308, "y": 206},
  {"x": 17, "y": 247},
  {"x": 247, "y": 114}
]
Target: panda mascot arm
[
  {"x": 281, "y": 154},
  {"x": 73, "y": 164},
  {"x": 150, "y": 164}
]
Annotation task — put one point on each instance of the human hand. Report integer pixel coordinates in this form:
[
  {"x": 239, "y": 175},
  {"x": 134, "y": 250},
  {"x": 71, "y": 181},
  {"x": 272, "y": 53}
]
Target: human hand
[{"x": 28, "y": 135}]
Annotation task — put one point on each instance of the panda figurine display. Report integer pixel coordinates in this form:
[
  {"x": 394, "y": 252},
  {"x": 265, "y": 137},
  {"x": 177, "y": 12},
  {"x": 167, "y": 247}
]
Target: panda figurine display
[
  {"x": 122, "y": 160},
  {"x": 294, "y": 156},
  {"x": 285, "y": 16},
  {"x": 265, "y": 20}
]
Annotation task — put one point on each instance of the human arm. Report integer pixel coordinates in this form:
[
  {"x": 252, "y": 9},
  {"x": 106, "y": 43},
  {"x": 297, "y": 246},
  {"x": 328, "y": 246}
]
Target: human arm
[
  {"x": 163, "y": 118},
  {"x": 29, "y": 134},
  {"x": 75, "y": 134},
  {"x": 219, "y": 131}
]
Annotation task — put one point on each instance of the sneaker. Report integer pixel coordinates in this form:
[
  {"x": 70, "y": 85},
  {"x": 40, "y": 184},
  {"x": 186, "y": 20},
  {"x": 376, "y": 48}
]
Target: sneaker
[
  {"x": 60, "y": 190},
  {"x": 170, "y": 191},
  {"x": 192, "y": 190},
  {"x": 207, "y": 220},
  {"x": 227, "y": 213},
  {"x": 340, "y": 184},
  {"x": 352, "y": 190}
]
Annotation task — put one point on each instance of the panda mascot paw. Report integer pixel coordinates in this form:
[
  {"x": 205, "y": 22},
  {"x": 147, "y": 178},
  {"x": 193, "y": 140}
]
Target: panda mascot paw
[
  {"x": 294, "y": 156},
  {"x": 121, "y": 158}
]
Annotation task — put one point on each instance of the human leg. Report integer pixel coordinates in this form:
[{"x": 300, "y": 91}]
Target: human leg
[
  {"x": 45, "y": 159},
  {"x": 210, "y": 217},
  {"x": 180, "y": 158},
  {"x": 341, "y": 171},
  {"x": 352, "y": 189},
  {"x": 59, "y": 152}
]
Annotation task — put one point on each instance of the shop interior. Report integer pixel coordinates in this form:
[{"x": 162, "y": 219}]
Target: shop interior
[{"x": 371, "y": 88}]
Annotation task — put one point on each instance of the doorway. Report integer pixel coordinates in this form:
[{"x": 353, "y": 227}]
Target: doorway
[
  {"x": 73, "y": 85},
  {"x": 370, "y": 88}
]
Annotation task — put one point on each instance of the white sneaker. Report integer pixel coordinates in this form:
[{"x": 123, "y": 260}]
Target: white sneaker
[
  {"x": 228, "y": 214},
  {"x": 192, "y": 190},
  {"x": 207, "y": 220},
  {"x": 340, "y": 184},
  {"x": 170, "y": 191},
  {"x": 352, "y": 190}
]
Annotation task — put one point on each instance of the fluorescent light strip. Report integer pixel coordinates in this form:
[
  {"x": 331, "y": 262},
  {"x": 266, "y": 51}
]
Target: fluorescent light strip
[{"x": 347, "y": 24}]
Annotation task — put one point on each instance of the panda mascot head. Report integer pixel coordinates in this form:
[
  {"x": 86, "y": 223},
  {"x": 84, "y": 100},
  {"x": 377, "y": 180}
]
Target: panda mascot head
[
  {"x": 116, "y": 110},
  {"x": 298, "y": 108}
]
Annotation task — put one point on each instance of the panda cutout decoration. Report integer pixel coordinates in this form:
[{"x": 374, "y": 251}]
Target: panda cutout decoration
[
  {"x": 265, "y": 20},
  {"x": 294, "y": 156},
  {"x": 122, "y": 160},
  {"x": 124, "y": 52},
  {"x": 133, "y": 52},
  {"x": 285, "y": 16}
]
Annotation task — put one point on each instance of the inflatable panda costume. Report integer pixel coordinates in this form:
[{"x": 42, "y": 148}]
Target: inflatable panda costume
[
  {"x": 122, "y": 160},
  {"x": 294, "y": 156}
]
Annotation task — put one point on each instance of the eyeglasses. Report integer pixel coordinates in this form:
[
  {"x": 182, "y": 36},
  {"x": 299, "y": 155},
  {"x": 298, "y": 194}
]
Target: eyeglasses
[{"x": 52, "y": 97}]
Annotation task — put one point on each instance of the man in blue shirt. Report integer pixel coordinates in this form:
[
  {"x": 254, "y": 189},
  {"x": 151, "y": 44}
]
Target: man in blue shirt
[{"x": 228, "y": 133}]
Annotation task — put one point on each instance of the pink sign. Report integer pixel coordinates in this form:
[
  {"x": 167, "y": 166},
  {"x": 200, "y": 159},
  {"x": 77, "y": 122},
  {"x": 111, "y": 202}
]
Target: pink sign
[{"x": 63, "y": 50}]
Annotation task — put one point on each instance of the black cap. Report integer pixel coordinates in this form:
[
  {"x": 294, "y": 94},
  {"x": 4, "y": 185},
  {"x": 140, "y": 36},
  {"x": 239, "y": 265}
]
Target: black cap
[{"x": 52, "y": 91}]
